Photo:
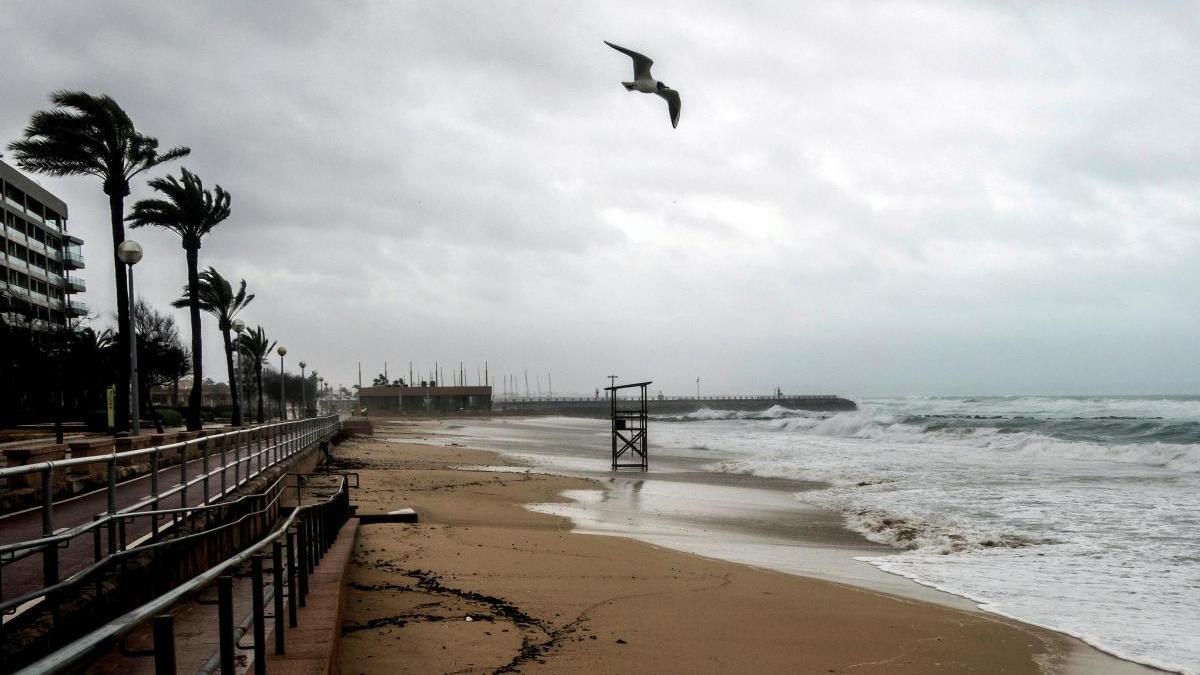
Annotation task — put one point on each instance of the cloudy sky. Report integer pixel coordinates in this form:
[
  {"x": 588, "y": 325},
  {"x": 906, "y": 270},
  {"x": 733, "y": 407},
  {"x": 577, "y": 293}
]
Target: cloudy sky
[{"x": 863, "y": 198}]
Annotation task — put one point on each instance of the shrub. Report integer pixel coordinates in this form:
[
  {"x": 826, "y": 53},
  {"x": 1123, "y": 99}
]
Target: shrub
[{"x": 170, "y": 417}]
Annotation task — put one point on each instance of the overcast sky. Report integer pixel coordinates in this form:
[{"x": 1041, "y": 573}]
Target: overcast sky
[{"x": 861, "y": 198}]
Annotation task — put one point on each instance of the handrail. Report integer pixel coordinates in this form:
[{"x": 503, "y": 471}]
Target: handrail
[
  {"x": 269, "y": 444},
  {"x": 313, "y": 519},
  {"x": 39, "y": 467},
  {"x": 138, "y": 550}
]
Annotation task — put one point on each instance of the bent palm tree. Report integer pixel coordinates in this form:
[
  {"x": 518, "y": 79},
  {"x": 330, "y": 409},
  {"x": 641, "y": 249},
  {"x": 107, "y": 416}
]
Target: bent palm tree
[
  {"x": 92, "y": 135},
  {"x": 217, "y": 298},
  {"x": 254, "y": 345},
  {"x": 191, "y": 212}
]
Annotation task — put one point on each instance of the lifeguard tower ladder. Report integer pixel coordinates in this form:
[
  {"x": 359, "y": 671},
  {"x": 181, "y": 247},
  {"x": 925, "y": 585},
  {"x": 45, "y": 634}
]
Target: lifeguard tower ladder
[{"x": 629, "y": 428}]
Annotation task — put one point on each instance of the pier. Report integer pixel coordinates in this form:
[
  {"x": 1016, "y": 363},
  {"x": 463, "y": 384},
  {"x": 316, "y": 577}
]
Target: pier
[{"x": 673, "y": 405}]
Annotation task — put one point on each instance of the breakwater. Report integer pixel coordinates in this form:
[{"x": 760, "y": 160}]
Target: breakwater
[{"x": 672, "y": 405}]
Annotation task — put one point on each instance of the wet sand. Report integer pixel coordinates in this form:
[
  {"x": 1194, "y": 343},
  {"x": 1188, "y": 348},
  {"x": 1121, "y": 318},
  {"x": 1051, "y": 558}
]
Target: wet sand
[{"x": 544, "y": 599}]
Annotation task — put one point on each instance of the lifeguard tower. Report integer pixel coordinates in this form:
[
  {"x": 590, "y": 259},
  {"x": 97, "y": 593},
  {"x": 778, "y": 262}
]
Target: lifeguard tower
[{"x": 629, "y": 427}]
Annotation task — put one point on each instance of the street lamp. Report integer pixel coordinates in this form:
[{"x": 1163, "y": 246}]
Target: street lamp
[
  {"x": 238, "y": 326},
  {"x": 303, "y": 392},
  {"x": 130, "y": 253},
  {"x": 282, "y": 407}
]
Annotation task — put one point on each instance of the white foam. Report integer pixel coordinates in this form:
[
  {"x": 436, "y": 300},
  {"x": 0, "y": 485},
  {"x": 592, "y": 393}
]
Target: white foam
[{"x": 1097, "y": 540}]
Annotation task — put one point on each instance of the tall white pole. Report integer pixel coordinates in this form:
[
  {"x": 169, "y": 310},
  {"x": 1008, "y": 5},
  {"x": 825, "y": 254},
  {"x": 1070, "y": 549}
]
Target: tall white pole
[{"x": 135, "y": 425}]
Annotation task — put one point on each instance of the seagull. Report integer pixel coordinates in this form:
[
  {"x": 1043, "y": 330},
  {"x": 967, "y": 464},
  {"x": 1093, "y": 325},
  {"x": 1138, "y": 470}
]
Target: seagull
[{"x": 644, "y": 82}]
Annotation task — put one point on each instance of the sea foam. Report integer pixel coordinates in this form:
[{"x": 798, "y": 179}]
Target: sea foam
[{"x": 1038, "y": 508}]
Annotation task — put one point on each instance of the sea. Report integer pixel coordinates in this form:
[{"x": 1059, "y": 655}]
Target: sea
[{"x": 1076, "y": 513}]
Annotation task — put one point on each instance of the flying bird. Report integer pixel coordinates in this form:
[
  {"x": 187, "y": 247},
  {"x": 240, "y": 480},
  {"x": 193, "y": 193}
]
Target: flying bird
[{"x": 644, "y": 82}]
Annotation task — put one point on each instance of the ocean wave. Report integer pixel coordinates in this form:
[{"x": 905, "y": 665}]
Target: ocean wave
[
  {"x": 912, "y": 533},
  {"x": 1030, "y": 440},
  {"x": 710, "y": 414}
]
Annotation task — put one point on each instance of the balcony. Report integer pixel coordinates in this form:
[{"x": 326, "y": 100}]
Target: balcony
[
  {"x": 53, "y": 254},
  {"x": 17, "y": 264},
  {"x": 14, "y": 235},
  {"x": 76, "y": 285},
  {"x": 39, "y": 298},
  {"x": 37, "y": 273},
  {"x": 73, "y": 260},
  {"x": 35, "y": 245},
  {"x": 77, "y": 308}
]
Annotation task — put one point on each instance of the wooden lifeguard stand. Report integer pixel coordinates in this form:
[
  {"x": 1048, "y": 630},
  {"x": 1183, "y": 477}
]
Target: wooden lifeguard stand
[{"x": 629, "y": 428}]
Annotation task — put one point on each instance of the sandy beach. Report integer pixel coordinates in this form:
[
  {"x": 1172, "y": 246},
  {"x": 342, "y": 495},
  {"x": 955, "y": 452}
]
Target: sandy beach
[{"x": 484, "y": 584}]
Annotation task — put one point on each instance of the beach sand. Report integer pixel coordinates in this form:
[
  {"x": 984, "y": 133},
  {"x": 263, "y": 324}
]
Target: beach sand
[{"x": 543, "y": 599}]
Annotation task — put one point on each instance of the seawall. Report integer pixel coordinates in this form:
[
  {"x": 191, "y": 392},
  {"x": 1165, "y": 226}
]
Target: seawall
[{"x": 673, "y": 406}]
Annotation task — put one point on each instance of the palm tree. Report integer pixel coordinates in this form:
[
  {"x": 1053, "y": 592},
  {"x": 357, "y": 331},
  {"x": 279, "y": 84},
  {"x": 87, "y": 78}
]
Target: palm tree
[
  {"x": 217, "y": 298},
  {"x": 191, "y": 212},
  {"x": 254, "y": 345},
  {"x": 92, "y": 135}
]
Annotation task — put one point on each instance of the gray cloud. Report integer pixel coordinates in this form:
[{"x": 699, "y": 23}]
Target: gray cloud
[{"x": 884, "y": 197}]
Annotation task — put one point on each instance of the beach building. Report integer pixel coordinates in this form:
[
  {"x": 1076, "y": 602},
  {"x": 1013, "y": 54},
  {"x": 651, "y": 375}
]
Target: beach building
[
  {"x": 38, "y": 258},
  {"x": 402, "y": 400},
  {"x": 212, "y": 394}
]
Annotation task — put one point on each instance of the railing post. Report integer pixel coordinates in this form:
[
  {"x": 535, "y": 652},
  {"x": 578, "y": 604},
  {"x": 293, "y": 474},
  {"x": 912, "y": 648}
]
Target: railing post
[
  {"x": 225, "y": 620},
  {"x": 112, "y": 505},
  {"x": 277, "y": 583},
  {"x": 302, "y": 550},
  {"x": 48, "y": 501},
  {"x": 50, "y": 551},
  {"x": 154, "y": 493},
  {"x": 260, "y": 621},
  {"x": 183, "y": 461},
  {"x": 319, "y": 540},
  {"x": 291, "y": 578},
  {"x": 204, "y": 467},
  {"x": 225, "y": 464},
  {"x": 164, "y": 645}
]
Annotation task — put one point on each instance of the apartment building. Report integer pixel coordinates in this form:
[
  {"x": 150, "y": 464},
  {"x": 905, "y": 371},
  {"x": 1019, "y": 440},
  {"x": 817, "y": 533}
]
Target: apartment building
[{"x": 39, "y": 260}]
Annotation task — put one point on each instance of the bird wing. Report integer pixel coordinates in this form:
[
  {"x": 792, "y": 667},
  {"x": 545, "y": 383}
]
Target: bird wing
[
  {"x": 673, "y": 104},
  {"x": 641, "y": 62}
]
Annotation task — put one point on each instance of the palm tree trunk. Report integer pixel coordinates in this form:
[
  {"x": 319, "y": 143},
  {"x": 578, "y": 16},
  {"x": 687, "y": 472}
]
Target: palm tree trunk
[
  {"x": 258, "y": 382},
  {"x": 193, "y": 416},
  {"x": 233, "y": 389},
  {"x": 116, "y": 207}
]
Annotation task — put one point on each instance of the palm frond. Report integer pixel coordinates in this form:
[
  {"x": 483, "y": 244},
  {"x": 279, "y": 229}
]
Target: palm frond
[{"x": 188, "y": 209}]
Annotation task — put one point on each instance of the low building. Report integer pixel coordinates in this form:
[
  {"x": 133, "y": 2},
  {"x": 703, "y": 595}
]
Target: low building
[
  {"x": 400, "y": 400},
  {"x": 212, "y": 394}
]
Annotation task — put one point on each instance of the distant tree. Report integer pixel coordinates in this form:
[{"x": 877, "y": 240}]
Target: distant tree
[
  {"x": 379, "y": 381},
  {"x": 256, "y": 347},
  {"x": 92, "y": 135},
  {"x": 191, "y": 212},
  {"x": 217, "y": 298},
  {"x": 162, "y": 358}
]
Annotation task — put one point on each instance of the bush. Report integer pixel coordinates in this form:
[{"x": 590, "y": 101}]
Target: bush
[{"x": 170, "y": 417}]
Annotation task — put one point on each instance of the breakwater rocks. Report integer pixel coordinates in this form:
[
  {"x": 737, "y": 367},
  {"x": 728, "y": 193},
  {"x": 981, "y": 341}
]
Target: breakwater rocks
[{"x": 586, "y": 407}]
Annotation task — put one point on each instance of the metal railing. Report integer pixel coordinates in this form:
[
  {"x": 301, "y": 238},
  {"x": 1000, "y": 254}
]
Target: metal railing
[
  {"x": 297, "y": 546},
  {"x": 253, "y": 450}
]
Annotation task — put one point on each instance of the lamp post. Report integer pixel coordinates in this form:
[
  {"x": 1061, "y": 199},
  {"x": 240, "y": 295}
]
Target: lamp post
[
  {"x": 130, "y": 253},
  {"x": 303, "y": 392},
  {"x": 282, "y": 406},
  {"x": 238, "y": 326}
]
